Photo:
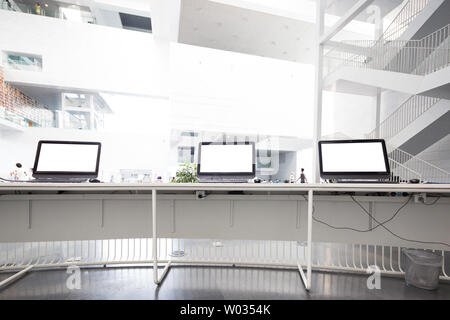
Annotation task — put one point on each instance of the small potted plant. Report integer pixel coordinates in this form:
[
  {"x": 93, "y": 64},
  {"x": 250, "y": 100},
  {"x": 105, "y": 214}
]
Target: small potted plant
[{"x": 187, "y": 173}]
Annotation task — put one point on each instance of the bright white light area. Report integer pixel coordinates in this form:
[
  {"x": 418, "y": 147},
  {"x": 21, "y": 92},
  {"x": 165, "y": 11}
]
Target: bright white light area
[
  {"x": 137, "y": 114},
  {"x": 214, "y": 90},
  {"x": 72, "y": 14},
  {"x": 67, "y": 157},
  {"x": 226, "y": 158},
  {"x": 347, "y": 115},
  {"x": 353, "y": 157}
]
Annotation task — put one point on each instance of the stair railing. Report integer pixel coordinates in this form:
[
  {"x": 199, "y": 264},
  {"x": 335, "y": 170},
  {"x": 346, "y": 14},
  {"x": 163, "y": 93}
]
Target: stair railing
[{"x": 403, "y": 116}]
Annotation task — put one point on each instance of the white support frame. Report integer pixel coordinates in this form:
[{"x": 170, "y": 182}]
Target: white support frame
[
  {"x": 15, "y": 277},
  {"x": 304, "y": 265},
  {"x": 352, "y": 13},
  {"x": 307, "y": 278},
  {"x": 156, "y": 279},
  {"x": 317, "y": 122}
]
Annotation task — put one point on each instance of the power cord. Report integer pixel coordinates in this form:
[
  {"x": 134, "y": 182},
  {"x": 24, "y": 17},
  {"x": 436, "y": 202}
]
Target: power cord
[
  {"x": 432, "y": 203},
  {"x": 379, "y": 224}
]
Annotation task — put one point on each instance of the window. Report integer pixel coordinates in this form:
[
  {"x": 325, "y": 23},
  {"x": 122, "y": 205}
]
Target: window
[
  {"x": 26, "y": 62},
  {"x": 189, "y": 134},
  {"x": 186, "y": 154}
]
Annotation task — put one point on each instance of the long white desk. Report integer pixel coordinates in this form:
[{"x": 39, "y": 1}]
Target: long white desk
[{"x": 58, "y": 212}]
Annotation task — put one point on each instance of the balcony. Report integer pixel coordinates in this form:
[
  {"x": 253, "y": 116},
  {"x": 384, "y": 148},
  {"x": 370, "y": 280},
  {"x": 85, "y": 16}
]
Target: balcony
[{"x": 54, "y": 9}]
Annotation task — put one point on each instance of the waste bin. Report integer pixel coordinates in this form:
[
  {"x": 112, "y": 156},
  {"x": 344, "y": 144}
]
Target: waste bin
[{"x": 422, "y": 268}]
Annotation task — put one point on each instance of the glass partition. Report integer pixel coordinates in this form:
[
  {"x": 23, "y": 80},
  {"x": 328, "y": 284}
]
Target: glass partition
[{"x": 49, "y": 8}]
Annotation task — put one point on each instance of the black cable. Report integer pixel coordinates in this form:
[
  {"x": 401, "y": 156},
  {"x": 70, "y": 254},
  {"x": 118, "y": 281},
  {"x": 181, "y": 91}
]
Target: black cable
[
  {"x": 380, "y": 223},
  {"x": 386, "y": 221},
  {"x": 432, "y": 203},
  {"x": 359, "y": 230}
]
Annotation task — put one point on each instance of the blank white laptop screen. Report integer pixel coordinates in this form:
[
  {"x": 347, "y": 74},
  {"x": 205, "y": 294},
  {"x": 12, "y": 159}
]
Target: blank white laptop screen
[
  {"x": 217, "y": 158},
  {"x": 67, "y": 158},
  {"x": 353, "y": 157}
]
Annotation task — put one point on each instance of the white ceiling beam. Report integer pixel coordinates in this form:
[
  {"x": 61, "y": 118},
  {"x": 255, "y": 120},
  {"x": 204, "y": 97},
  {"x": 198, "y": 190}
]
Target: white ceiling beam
[
  {"x": 165, "y": 19},
  {"x": 346, "y": 19}
]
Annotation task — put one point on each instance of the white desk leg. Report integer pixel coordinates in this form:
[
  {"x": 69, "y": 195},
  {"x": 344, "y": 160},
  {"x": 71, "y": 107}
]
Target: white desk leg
[
  {"x": 156, "y": 279},
  {"x": 309, "y": 248},
  {"x": 307, "y": 278}
]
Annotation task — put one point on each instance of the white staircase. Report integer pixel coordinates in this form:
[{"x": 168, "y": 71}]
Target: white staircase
[
  {"x": 410, "y": 19},
  {"x": 402, "y": 117},
  {"x": 405, "y": 165},
  {"x": 395, "y": 62},
  {"x": 417, "y": 57},
  {"x": 414, "y": 66}
]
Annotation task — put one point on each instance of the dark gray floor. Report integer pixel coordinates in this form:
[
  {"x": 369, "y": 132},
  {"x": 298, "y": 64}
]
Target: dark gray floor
[{"x": 208, "y": 283}]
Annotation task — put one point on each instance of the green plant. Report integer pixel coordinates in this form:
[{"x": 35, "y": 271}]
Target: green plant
[{"x": 187, "y": 173}]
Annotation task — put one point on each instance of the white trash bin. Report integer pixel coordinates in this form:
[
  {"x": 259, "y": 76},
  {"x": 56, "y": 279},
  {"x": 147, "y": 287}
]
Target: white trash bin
[{"x": 422, "y": 268}]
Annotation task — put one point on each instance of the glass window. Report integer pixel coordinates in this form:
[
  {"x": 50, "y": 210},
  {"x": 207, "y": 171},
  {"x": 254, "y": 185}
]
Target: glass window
[
  {"x": 186, "y": 154},
  {"x": 20, "y": 61}
]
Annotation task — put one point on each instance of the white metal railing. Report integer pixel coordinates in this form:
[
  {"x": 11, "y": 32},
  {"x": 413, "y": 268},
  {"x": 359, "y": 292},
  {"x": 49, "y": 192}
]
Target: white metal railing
[
  {"x": 401, "y": 173},
  {"x": 410, "y": 10},
  {"x": 326, "y": 256},
  {"x": 419, "y": 57},
  {"x": 405, "y": 164},
  {"x": 427, "y": 170},
  {"x": 403, "y": 116}
]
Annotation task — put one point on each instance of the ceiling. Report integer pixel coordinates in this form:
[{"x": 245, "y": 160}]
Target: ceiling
[
  {"x": 214, "y": 25},
  {"x": 339, "y": 7},
  {"x": 51, "y": 97},
  {"x": 252, "y": 27}
]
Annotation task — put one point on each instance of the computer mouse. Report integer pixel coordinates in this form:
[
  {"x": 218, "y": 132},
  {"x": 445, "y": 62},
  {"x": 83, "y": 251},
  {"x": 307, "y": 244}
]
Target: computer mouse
[
  {"x": 414, "y": 181},
  {"x": 94, "y": 181}
]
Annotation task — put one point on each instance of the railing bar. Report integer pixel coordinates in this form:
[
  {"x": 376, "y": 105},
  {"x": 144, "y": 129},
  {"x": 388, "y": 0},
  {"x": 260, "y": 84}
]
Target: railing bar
[
  {"x": 443, "y": 264},
  {"x": 360, "y": 256},
  {"x": 367, "y": 255},
  {"x": 399, "y": 259}
]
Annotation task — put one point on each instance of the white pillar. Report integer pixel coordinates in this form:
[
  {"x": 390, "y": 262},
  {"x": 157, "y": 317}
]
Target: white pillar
[
  {"x": 91, "y": 113},
  {"x": 320, "y": 16},
  {"x": 377, "y": 113},
  {"x": 377, "y": 20}
]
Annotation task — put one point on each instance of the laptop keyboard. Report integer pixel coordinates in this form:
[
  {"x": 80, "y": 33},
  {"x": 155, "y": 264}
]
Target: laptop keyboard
[{"x": 223, "y": 180}]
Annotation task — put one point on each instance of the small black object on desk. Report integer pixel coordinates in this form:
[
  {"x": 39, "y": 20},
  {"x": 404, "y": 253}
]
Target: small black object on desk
[{"x": 94, "y": 181}]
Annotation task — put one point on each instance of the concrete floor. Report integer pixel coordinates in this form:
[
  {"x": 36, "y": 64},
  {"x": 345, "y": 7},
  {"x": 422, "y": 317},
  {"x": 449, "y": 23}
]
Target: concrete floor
[{"x": 208, "y": 283}]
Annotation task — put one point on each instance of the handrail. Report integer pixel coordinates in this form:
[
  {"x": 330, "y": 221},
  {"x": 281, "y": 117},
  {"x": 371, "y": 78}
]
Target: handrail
[
  {"x": 409, "y": 11},
  {"x": 404, "y": 175},
  {"x": 403, "y": 116},
  {"x": 409, "y": 111},
  {"x": 419, "y": 57},
  {"x": 428, "y": 171},
  {"x": 408, "y": 156}
]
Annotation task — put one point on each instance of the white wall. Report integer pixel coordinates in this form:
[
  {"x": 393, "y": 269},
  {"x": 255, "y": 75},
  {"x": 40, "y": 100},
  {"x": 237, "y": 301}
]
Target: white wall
[
  {"x": 390, "y": 101},
  {"x": 351, "y": 115},
  {"x": 86, "y": 56}
]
